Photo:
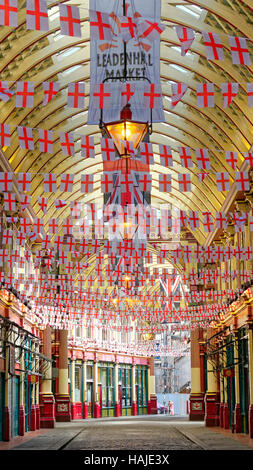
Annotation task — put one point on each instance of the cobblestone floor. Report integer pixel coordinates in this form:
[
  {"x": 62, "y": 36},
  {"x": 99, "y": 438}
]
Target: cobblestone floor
[{"x": 134, "y": 433}]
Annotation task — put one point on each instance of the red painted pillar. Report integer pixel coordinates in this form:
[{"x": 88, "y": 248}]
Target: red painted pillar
[
  {"x": 117, "y": 411},
  {"x": 33, "y": 418},
  {"x": 7, "y": 424}
]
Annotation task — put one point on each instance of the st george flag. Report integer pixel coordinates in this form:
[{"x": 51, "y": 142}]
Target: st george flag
[
  {"x": 205, "y": 95},
  {"x": 178, "y": 90},
  {"x": 203, "y": 160},
  {"x": 214, "y": 48},
  {"x": 67, "y": 143},
  {"x": 153, "y": 96},
  {"x": 37, "y": 15},
  {"x": 239, "y": 51},
  {"x": 24, "y": 182},
  {"x": 9, "y": 13},
  {"x": 250, "y": 94},
  {"x": 128, "y": 28},
  {"x": 229, "y": 92},
  {"x": 70, "y": 23},
  {"x": 76, "y": 95},
  {"x": 150, "y": 30},
  {"x": 248, "y": 156},
  {"x": 67, "y": 182},
  {"x": 100, "y": 28},
  {"x": 24, "y": 94},
  {"x": 45, "y": 141},
  {"x": 5, "y": 92},
  {"x": 231, "y": 158},
  {"x": 87, "y": 146},
  {"x": 165, "y": 155},
  {"x": 186, "y": 37},
  {"x": 50, "y": 91},
  {"x": 5, "y": 181},
  {"x": 165, "y": 183},
  {"x": 87, "y": 183},
  {"x": 5, "y": 136},
  {"x": 25, "y": 136}
]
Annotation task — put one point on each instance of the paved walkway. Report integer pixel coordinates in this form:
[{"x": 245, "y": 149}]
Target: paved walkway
[{"x": 158, "y": 432}]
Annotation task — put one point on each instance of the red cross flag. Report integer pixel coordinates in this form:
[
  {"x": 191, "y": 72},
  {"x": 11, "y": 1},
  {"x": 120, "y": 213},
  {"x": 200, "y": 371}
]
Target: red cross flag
[
  {"x": 24, "y": 182},
  {"x": 53, "y": 226},
  {"x": 203, "y": 160},
  {"x": 250, "y": 94},
  {"x": 87, "y": 146},
  {"x": 186, "y": 37},
  {"x": 128, "y": 28},
  {"x": 9, "y": 202},
  {"x": 70, "y": 20},
  {"x": 108, "y": 150},
  {"x": 5, "y": 93},
  {"x": 150, "y": 31},
  {"x": 165, "y": 183},
  {"x": 87, "y": 183},
  {"x": 178, "y": 90},
  {"x": 153, "y": 96},
  {"x": 76, "y": 95},
  {"x": 5, "y": 181},
  {"x": 193, "y": 219},
  {"x": 45, "y": 141},
  {"x": 9, "y": 13},
  {"x": 223, "y": 181},
  {"x": 221, "y": 220},
  {"x": 5, "y": 136},
  {"x": 144, "y": 181},
  {"x": 126, "y": 182},
  {"x": 107, "y": 182},
  {"x": 208, "y": 222},
  {"x": 37, "y": 15},
  {"x": 184, "y": 182},
  {"x": 67, "y": 143},
  {"x": 100, "y": 28},
  {"x": 102, "y": 96},
  {"x": 24, "y": 94},
  {"x": 43, "y": 201},
  {"x": 67, "y": 227},
  {"x": 165, "y": 155},
  {"x": 25, "y": 136},
  {"x": 242, "y": 181},
  {"x": 38, "y": 225},
  {"x": 205, "y": 95},
  {"x": 146, "y": 153},
  {"x": 248, "y": 156},
  {"x": 59, "y": 203},
  {"x": 7, "y": 237},
  {"x": 229, "y": 92},
  {"x": 24, "y": 201},
  {"x": 231, "y": 159},
  {"x": 67, "y": 182},
  {"x": 50, "y": 90},
  {"x": 127, "y": 92},
  {"x": 50, "y": 183},
  {"x": 239, "y": 50},
  {"x": 185, "y": 157},
  {"x": 214, "y": 48}
]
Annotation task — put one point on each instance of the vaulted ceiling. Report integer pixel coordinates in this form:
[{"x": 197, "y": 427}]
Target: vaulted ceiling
[{"x": 39, "y": 56}]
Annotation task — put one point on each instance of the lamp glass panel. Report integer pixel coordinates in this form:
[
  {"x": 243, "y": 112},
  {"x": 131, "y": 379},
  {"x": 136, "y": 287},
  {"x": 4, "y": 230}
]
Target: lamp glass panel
[{"x": 126, "y": 130}]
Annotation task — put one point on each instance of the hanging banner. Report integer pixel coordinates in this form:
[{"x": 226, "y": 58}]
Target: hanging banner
[{"x": 133, "y": 32}]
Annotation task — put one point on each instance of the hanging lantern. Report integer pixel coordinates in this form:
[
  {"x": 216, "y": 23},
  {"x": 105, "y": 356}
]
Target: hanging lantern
[{"x": 126, "y": 134}]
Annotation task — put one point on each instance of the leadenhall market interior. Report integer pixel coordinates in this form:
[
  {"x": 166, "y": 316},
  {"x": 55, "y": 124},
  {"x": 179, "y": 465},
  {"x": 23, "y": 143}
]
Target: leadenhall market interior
[{"x": 126, "y": 197}]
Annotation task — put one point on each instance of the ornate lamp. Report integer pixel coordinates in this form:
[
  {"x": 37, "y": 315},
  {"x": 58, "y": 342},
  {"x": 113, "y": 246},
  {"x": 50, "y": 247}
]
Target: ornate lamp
[{"x": 126, "y": 131}]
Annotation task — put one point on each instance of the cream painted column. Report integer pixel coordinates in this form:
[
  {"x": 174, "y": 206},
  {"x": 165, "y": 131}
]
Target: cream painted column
[
  {"x": 7, "y": 415},
  {"x": 72, "y": 380},
  {"x": 97, "y": 406},
  {"x": 84, "y": 380},
  {"x": 134, "y": 398},
  {"x": 63, "y": 363},
  {"x": 63, "y": 408},
  {"x": 152, "y": 399},
  {"x": 117, "y": 409},
  {"x": 197, "y": 394},
  {"x": 47, "y": 408}
]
